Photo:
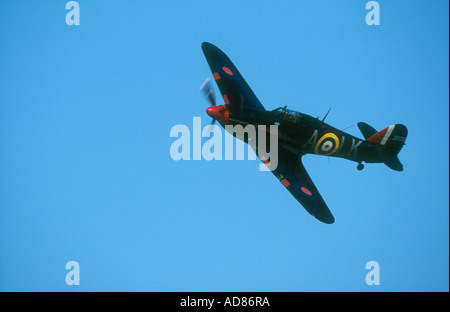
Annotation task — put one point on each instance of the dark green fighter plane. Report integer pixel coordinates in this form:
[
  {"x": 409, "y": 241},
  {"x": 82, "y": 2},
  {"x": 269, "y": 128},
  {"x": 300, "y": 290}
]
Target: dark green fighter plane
[{"x": 298, "y": 134}]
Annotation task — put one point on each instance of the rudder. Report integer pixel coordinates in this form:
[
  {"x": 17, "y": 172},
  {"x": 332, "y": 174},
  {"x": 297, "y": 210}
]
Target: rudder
[{"x": 392, "y": 138}]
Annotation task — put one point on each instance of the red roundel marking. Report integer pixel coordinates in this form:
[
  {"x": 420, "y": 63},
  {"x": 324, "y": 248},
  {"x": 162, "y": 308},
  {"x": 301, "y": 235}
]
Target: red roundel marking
[
  {"x": 227, "y": 70},
  {"x": 306, "y": 191}
]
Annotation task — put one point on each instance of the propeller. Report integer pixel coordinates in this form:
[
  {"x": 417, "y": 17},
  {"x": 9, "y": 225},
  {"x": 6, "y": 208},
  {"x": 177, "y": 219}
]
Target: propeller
[{"x": 208, "y": 92}]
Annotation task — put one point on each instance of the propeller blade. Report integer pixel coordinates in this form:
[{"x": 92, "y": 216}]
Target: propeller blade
[{"x": 208, "y": 91}]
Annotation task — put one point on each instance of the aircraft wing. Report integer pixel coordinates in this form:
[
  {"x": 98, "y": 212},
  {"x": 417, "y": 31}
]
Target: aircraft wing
[
  {"x": 292, "y": 174},
  {"x": 234, "y": 89}
]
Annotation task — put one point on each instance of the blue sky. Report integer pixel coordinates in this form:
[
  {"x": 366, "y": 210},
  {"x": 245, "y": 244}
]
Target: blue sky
[{"x": 85, "y": 167}]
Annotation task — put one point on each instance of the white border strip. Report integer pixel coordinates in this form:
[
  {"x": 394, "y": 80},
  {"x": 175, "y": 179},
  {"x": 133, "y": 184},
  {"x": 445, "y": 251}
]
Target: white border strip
[{"x": 387, "y": 135}]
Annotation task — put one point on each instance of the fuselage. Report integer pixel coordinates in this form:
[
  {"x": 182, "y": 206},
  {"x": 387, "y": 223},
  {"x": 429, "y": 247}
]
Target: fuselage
[{"x": 305, "y": 134}]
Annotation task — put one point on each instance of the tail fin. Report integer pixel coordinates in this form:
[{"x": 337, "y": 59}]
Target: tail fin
[{"x": 391, "y": 139}]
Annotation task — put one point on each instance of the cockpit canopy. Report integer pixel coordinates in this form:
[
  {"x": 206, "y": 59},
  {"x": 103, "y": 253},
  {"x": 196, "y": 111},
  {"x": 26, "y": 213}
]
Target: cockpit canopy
[{"x": 288, "y": 114}]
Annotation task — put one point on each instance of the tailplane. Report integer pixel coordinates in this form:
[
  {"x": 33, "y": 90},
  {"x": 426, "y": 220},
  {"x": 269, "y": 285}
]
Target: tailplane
[
  {"x": 366, "y": 130},
  {"x": 391, "y": 140}
]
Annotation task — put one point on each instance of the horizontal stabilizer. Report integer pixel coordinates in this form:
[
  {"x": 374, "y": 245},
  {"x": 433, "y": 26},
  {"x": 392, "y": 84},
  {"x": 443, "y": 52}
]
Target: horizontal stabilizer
[
  {"x": 366, "y": 130},
  {"x": 389, "y": 160}
]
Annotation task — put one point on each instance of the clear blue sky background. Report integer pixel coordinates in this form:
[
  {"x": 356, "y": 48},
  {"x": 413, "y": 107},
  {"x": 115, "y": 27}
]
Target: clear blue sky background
[{"x": 86, "y": 174}]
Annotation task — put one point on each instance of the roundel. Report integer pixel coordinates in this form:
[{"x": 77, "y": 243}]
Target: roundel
[
  {"x": 227, "y": 70},
  {"x": 303, "y": 190},
  {"x": 327, "y": 145}
]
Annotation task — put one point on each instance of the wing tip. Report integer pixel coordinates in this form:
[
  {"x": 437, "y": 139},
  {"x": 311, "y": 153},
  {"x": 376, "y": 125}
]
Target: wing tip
[
  {"x": 325, "y": 219},
  {"x": 207, "y": 45},
  {"x": 322, "y": 215}
]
